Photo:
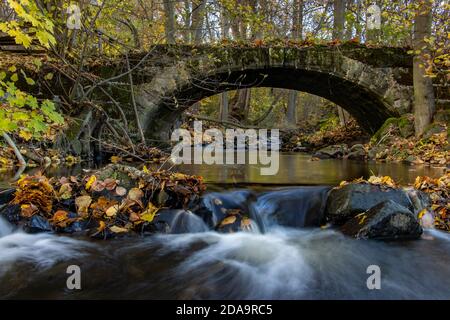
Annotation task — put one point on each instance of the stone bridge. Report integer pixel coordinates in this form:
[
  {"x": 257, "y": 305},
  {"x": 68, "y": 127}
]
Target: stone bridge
[{"x": 372, "y": 84}]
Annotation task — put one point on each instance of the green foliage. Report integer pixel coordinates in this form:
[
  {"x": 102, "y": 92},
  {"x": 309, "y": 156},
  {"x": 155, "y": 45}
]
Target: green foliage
[
  {"x": 28, "y": 12},
  {"x": 331, "y": 122},
  {"x": 22, "y": 113}
]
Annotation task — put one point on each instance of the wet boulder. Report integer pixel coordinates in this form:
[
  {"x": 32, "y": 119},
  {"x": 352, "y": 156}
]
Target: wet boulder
[
  {"x": 386, "y": 221},
  {"x": 11, "y": 213},
  {"x": 215, "y": 206},
  {"x": 37, "y": 224},
  {"x": 357, "y": 152},
  {"x": 292, "y": 207},
  {"x": 349, "y": 200},
  {"x": 332, "y": 152},
  {"x": 6, "y": 196},
  {"x": 178, "y": 221}
]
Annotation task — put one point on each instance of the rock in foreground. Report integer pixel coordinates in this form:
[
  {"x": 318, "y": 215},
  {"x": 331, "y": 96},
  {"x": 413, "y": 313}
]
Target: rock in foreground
[
  {"x": 349, "y": 200},
  {"x": 385, "y": 221}
]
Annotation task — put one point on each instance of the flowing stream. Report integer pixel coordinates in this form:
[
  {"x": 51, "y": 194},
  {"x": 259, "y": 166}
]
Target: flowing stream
[{"x": 273, "y": 261}]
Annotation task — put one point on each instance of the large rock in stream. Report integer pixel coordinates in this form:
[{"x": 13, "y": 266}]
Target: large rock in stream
[
  {"x": 292, "y": 207},
  {"x": 385, "y": 221},
  {"x": 347, "y": 201}
]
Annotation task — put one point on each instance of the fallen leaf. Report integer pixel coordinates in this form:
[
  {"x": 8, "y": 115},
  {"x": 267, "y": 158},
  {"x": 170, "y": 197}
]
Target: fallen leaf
[
  {"x": 28, "y": 210},
  {"x": 110, "y": 184},
  {"x": 101, "y": 226},
  {"x": 112, "y": 211},
  {"x": 90, "y": 181},
  {"x": 59, "y": 216},
  {"x": 149, "y": 214},
  {"x": 135, "y": 194},
  {"x": 121, "y": 191},
  {"x": 228, "y": 220},
  {"x": 98, "y": 186},
  {"x": 115, "y": 159},
  {"x": 117, "y": 229},
  {"x": 134, "y": 217},
  {"x": 82, "y": 203},
  {"x": 65, "y": 192}
]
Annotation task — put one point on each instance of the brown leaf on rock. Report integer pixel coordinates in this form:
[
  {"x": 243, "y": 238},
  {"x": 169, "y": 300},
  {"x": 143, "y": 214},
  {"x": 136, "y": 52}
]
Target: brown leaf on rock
[
  {"x": 228, "y": 220},
  {"x": 135, "y": 194},
  {"x": 82, "y": 203},
  {"x": 28, "y": 210},
  {"x": 59, "y": 216}
]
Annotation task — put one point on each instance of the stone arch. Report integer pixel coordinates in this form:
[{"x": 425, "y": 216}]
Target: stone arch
[{"x": 368, "y": 84}]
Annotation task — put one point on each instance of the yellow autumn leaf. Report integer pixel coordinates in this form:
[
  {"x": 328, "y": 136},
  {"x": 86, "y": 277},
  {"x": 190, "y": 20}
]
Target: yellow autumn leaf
[
  {"x": 145, "y": 169},
  {"x": 90, "y": 181},
  {"x": 421, "y": 213},
  {"x": 117, "y": 229},
  {"x": 26, "y": 135},
  {"x": 149, "y": 214},
  {"x": 101, "y": 226},
  {"x": 112, "y": 211},
  {"x": 228, "y": 220},
  {"x": 65, "y": 192},
  {"x": 115, "y": 159}
]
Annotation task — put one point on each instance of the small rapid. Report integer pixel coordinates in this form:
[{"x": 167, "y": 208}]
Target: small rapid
[{"x": 284, "y": 255}]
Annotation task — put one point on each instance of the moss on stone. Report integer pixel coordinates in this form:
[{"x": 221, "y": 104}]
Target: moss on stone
[{"x": 386, "y": 125}]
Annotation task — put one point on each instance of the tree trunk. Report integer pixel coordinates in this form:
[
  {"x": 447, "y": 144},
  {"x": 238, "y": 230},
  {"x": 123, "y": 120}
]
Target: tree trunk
[
  {"x": 224, "y": 105},
  {"x": 338, "y": 19},
  {"x": 11, "y": 143},
  {"x": 187, "y": 21},
  {"x": 338, "y": 34},
  {"x": 423, "y": 86},
  {"x": 297, "y": 30},
  {"x": 197, "y": 20},
  {"x": 372, "y": 35},
  {"x": 169, "y": 21}
]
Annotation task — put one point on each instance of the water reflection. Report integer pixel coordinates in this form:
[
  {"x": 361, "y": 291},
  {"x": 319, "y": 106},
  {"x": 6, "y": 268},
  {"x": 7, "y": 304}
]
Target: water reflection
[{"x": 294, "y": 169}]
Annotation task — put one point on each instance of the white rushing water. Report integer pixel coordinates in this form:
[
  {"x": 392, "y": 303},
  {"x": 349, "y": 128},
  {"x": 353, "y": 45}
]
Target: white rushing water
[{"x": 285, "y": 263}]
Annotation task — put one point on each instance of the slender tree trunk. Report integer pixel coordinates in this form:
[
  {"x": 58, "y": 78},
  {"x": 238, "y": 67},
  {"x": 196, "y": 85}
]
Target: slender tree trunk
[
  {"x": 372, "y": 35},
  {"x": 187, "y": 21},
  {"x": 198, "y": 8},
  {"x": 423, "y": 86},
  {"x": 338, "y": 19},
  {"x": 297, "y": 30},
  {"x": 11, "y": 143},
  {"x": 224, "y": 105},
  {"x": 349, "y": 29},
  {"x": 239, "y": 101},
  {"x": 338, "y": 34},
  {"x": 169, "y": 21}
]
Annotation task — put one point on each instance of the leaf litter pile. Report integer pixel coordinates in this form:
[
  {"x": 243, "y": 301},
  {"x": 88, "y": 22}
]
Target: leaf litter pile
[{"x": 115, "y": 200}]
